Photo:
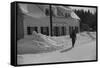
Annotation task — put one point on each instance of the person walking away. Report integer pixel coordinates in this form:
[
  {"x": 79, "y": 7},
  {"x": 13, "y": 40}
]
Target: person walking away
[{"x": 73, "y": 37}]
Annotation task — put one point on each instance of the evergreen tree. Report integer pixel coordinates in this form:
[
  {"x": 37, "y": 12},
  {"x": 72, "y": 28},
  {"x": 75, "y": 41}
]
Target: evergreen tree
[{"x": 88, "y": 19}]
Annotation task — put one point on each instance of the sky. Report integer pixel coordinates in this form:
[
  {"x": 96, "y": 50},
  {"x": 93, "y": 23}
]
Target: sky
[{"x": 86, "y": 9}]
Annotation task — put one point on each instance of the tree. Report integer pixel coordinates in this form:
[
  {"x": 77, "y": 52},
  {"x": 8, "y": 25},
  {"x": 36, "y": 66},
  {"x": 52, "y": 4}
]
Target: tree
[{"x": 88, "y": 19}]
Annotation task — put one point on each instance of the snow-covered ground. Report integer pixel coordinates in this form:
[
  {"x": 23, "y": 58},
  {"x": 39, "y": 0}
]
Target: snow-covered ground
[
  {"x": 85, "y": 49},
  {"x": 39, "y": 43}
]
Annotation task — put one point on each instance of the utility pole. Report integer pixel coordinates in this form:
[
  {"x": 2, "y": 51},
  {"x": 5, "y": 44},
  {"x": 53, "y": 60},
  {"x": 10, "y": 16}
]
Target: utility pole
[{"x": 50, "y": 19}]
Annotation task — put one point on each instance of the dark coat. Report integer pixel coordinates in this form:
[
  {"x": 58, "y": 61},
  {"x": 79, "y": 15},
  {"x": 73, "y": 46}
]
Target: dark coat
[{"x": 73, "y": 34}]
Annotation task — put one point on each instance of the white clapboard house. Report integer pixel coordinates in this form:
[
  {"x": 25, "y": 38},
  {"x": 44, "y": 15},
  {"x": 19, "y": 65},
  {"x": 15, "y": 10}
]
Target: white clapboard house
[{"x": 35, "y": 17}]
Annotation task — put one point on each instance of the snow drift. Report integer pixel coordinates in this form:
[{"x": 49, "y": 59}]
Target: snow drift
[{"x": 39, "y": 43}]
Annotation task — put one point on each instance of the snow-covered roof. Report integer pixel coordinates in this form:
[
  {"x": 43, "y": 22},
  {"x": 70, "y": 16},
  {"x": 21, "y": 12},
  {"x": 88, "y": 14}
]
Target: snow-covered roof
[
  {"x": 32, "y": 10},
  {"x": 38, "y": 13},
  {"x": 68, "y": 10},
  {"x": 73, "y": 15}
]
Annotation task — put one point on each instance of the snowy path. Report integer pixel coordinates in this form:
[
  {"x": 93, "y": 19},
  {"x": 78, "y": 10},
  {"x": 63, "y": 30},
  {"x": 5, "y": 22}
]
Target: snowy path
[{"x": 85, "y": 49}]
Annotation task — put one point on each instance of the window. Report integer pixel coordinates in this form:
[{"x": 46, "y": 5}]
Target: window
[
  {"x": 45, "y": 30},
  {"x": 31, "y": 29},
  {"x": 56, "y": 31},
  {"x": 28, "y": 31},
  {"x": 63, "y": 30}
]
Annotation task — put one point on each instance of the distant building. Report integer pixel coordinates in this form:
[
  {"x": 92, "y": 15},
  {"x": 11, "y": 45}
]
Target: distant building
[{"x": 37, "y": 18}]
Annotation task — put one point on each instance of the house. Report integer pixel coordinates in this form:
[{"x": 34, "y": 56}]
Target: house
[{"x": 36, "y": 17}]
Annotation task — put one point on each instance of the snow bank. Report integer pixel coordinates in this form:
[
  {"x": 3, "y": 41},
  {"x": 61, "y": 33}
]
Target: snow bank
[
  {"x": 52, "y": 41},
  {"x": 38, "y": 43}
]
